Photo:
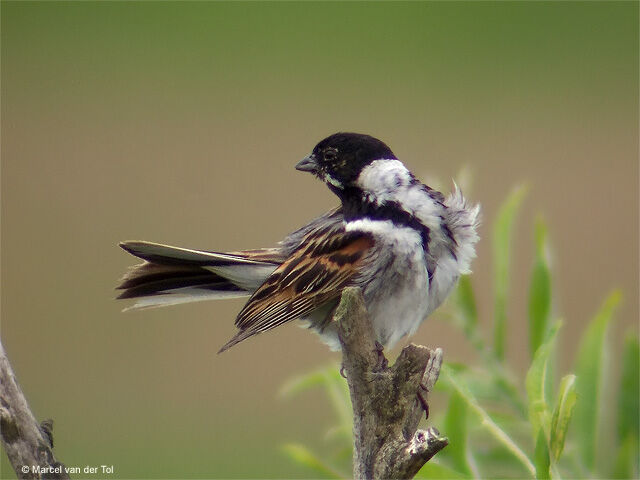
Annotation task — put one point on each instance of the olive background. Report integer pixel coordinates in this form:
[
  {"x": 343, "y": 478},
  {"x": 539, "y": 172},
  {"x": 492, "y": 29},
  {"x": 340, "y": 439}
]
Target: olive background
[{"x": 180, "y": 122}]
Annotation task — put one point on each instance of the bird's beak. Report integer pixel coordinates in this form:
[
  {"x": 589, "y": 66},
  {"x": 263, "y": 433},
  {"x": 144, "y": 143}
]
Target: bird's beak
[{"x": 308, "y": 164}]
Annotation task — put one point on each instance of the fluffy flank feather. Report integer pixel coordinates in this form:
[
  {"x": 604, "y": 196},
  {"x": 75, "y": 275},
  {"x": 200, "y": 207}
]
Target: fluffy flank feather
[{"x": 463, "y": 221}]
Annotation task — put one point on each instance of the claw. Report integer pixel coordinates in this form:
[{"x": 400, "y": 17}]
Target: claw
[{"x": 383, "y": 363}]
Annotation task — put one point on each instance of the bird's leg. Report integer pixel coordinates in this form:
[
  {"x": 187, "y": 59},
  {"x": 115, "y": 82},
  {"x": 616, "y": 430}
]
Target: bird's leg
[
  {"x": 383, "y": 363},
  {"x": 429, "y": 378},
  {"x": 422, "y": 398}
]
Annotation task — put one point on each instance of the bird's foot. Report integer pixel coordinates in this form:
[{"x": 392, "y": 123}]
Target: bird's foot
[
  {"x": 429, "y": 378},
  {"x": 383, "y": 363},
  {"x": 422, "y": 398}
]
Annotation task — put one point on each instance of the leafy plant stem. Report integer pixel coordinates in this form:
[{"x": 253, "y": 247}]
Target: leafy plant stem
[{"x": 489, "y": 424}]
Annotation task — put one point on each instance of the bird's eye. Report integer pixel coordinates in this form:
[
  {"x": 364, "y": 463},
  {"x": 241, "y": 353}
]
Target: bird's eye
[{"x": 330, "y": 155}]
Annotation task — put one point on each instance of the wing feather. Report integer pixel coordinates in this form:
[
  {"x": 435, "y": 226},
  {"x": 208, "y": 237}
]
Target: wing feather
[{"x": 314, "y": 274}]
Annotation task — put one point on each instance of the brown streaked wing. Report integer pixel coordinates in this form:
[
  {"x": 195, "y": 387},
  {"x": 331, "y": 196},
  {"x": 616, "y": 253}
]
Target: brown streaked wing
[{"x": 312, "y": 276}]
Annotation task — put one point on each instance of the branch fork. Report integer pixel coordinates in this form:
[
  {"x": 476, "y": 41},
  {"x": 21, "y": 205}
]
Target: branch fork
[{"x": 387, "y": 402}]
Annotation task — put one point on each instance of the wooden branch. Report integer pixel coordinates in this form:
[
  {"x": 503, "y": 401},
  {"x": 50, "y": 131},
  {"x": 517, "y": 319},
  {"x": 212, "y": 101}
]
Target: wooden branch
[
  {"x": 29, "y": 446},
  {"x": 386, "y": 405}
]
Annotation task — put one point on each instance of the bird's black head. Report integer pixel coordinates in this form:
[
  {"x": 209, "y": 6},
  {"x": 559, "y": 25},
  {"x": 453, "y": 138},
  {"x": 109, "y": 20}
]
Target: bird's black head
[{"x": 339, "y": 159}]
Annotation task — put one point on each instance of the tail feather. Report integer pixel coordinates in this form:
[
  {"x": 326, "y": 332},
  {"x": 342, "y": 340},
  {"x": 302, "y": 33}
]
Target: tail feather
[
  {"x": 172, "y": 275},
  {"x": 168, "y": 255},
  {"x": 148, "y": 272},
  {"x": 205, "y": 281},
  {"x": 177, "y": 297}
]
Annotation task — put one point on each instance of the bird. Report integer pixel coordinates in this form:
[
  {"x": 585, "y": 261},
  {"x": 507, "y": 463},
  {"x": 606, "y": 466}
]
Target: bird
[{"x": 403, "y": 243}]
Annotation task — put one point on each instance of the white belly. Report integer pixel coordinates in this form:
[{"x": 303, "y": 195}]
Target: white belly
[{"x": 396, "y": 287}]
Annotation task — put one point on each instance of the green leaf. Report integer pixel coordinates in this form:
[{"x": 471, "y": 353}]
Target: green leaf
[
  {"x": 589, "y": 384},
  {"x": 628, "y": 404},
  {"x": 536, "y": 383},
  {"x": 508, "y": 390},
  {"x": 562, "y": 415},
  {"x": 335, "y": 387},
  {"x": 467, "y": 303},
  {"x": 541, "y": 456},
  {"x": 455, "y": 424},
  {"x": 338, "y": 392},
  {"x": 503, "y": 385},
  {"x": 486, "y": 421},
  {"x": 502, "y": 233},
  {"x": 627, "y": 463},
  {"x": 302, "y": 456},
  {"x": 302, "y": 383},
  {"x": 466, "y": 313},
  {"x": 539, "y": 291}
]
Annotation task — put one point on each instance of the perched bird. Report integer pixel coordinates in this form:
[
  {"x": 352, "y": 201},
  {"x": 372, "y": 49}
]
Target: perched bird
[{"x": 403, "y": 243}]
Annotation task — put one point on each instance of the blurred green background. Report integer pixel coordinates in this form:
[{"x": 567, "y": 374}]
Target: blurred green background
[{"x": 181, "y": 122}]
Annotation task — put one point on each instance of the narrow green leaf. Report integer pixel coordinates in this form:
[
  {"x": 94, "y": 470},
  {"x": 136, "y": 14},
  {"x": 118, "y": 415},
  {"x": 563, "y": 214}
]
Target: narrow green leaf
[
  {"x": 467, "y": 303},
  {"x": 627, "y": 462},
  {"x": 589, "y": 384},
  {"x": 562, "y": 415},
  {"x": 502, "y": 233},
  {"x": 302, "y": 456},
  {"x": 509, "y": 391},
  {"x": 455, "y": 424},
  {"x": 486, "y": 421},
  {"x": 302, "y": 383},
  {"x": 466, "y": 312},
  {"x": 536, "y": 383},
  {"x": 503, "y": 385},
  {"x": 541, "y": 456},
  {"x": 539, "y": 291},
  {"x": 628, "y": 396},
  {"x": 338, "y": 393},
  {"x": 335, "y": 387}
]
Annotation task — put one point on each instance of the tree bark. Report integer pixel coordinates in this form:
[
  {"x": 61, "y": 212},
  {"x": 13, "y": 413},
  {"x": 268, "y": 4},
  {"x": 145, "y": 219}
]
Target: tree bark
[
  {"x": 387, "y": 402},
  {"x": 29, "y": 446}
]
